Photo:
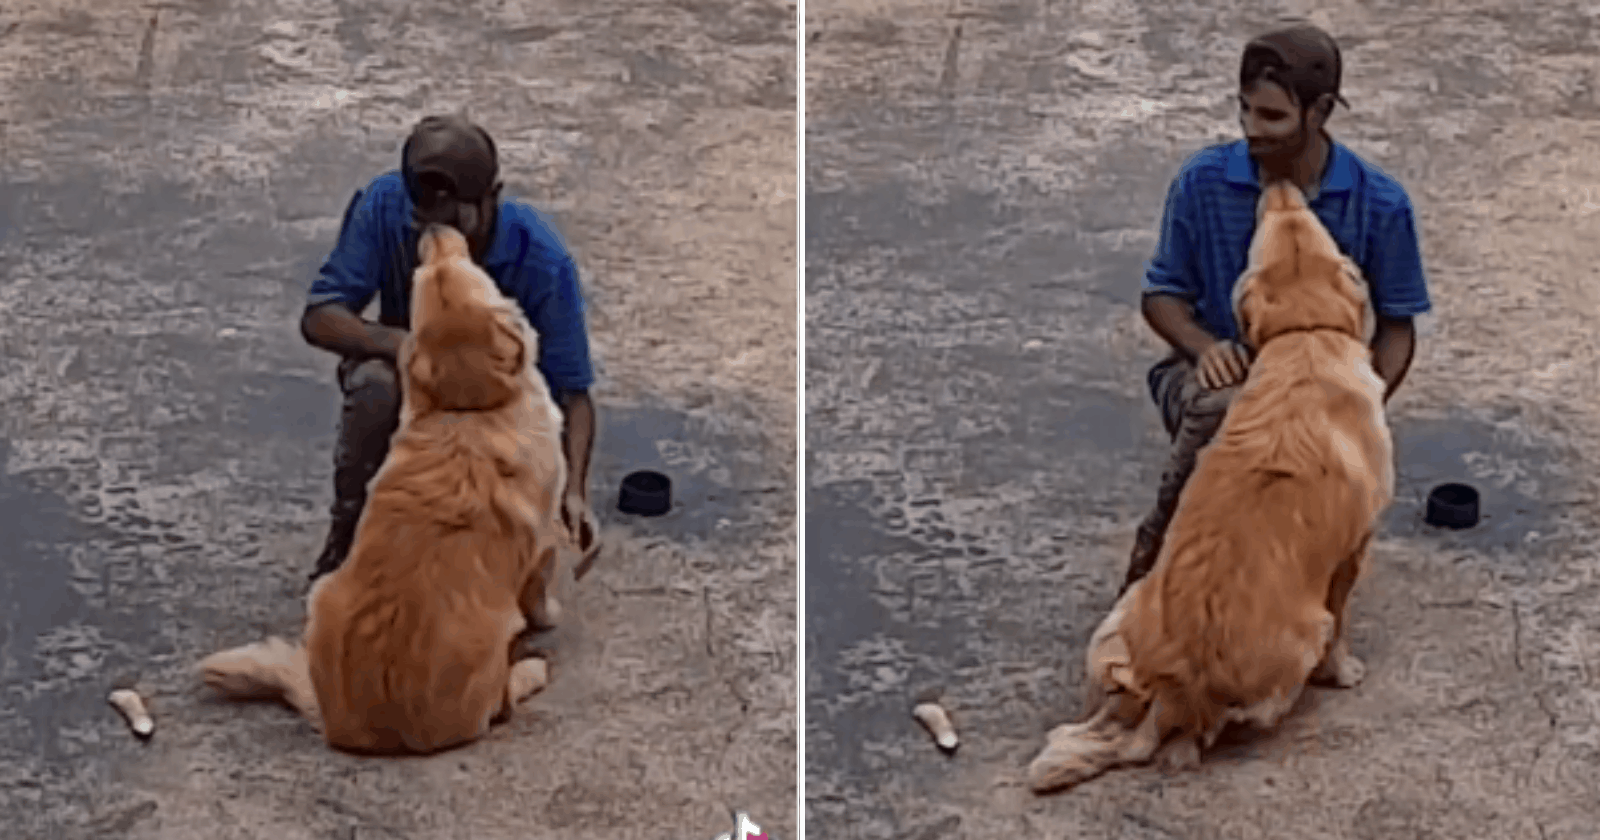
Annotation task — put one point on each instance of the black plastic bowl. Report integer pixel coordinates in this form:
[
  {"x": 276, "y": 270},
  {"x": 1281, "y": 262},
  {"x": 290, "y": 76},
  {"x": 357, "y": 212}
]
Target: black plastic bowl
[
  {"x": 645, "y": 493},
  {"x": 1453, "y": 506}
]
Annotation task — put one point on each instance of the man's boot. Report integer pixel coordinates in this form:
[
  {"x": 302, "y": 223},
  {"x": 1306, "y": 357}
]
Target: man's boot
[
  {"x": 1201, "y": 417},
  {"x": 341, "y": 535},
  {"x": 1146, "y": 547},
  {"x": 369, "y": 417}
]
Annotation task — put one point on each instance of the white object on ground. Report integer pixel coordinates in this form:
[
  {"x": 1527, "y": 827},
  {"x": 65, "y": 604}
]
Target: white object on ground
[
  {"x": 933, "y": 716},
  {"x": 132, "y": 708}
]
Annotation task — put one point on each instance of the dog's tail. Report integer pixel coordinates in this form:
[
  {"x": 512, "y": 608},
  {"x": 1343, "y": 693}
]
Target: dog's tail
[
  {"x": 1078, "y": 752},
  {"x": 269, "y": 670}
]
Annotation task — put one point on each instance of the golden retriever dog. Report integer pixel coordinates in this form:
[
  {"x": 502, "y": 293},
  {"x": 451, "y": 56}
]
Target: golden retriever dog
[
  {"x": 408, "y": 645},
  {"x": 1247, "y": 600}
]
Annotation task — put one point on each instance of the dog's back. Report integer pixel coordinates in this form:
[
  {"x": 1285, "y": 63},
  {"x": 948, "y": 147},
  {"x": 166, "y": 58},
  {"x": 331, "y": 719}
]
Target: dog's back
[
  {"x": 1247, "y": 596},
  {"x": 1288, "y": 491},
  {"x": 407, "y": 645}
]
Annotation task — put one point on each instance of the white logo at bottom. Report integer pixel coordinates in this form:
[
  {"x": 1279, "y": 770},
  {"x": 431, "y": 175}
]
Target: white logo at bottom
[{"x": 744, "y": 829}]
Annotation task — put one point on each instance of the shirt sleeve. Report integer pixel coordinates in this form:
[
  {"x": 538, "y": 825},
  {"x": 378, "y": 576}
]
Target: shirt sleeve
[
  {"x": 558, "y": 316},
  {"x": 1394, "y": 266},
  {"x": 1171, "y": 270},
  {"x": 352, "y": 272}
]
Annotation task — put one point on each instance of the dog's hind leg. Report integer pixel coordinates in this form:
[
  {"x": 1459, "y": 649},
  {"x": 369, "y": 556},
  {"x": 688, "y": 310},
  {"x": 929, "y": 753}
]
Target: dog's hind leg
[
  {"x": 1182, "y": 753},
  {"x": 1339, "y": 667},
  {"x": 527, "y": 678},
  {"x": 267, "y": 670},
  {"x": 538, "y": 603},
  {"x": 1077, "y": 752},
  {"x": 523, "y": 679}
]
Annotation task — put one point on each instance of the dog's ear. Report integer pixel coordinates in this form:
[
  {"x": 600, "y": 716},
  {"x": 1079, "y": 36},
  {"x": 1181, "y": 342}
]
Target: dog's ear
[
  {"x": 509, "y": 344},
  {"x": 1360, "y": 294},
  {"x": 1245, "y": 292},
  {"x": 464, "y": 377}
]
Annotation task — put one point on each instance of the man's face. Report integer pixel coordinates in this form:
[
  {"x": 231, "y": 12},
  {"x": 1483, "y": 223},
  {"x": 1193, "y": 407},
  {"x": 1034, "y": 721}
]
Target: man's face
[
  {"x": 1271, "y": 122},
  {"x": 440, "y": 202}
]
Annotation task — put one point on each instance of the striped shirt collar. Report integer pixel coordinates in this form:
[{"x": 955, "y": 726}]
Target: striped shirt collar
[{"x": 1340, "y": 176}]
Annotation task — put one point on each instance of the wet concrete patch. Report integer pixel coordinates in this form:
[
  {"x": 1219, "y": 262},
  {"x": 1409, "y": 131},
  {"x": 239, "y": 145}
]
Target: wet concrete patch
[
  {"x": 662, "y": 68},
  {"x": 1516, "y": 480},
  {"x": 925, "y": 608},
  {"x": 351, "y": 30},
  {"x": 305, "y": 186},
  {"x": 56, "y": 648},
  {"x": 840, "y": 533},
  {"x": 710, "y": 462},
  {"x": 1094, "y": 239},
  {"x": 1059, "y": 435},
  {"x": 891, "y": 215},
  {"x": 523, "y": 34},
  {"x": 83, "y": 206},
  {"x": 275, "y": 404}
]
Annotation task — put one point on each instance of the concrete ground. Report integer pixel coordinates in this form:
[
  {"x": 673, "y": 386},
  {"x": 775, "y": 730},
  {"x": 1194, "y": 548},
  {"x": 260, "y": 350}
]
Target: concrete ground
[
  {"x": 984, "y": 182},
  {"x": 172, "y": 174}
]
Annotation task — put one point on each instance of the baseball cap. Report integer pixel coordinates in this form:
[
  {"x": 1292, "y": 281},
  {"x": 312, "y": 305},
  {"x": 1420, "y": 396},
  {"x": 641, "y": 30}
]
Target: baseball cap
[
  {"x": 447, "y": 155},
  {"x": 1307, "y": 59}
]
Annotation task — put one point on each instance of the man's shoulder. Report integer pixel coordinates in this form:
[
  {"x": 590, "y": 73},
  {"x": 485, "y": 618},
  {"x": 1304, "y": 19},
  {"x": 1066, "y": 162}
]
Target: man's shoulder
[
  {"x": 382, "y": 202},
  {"x": 521, "y": 222},
  {"x": 1208, "y": 165},
  {"x": 385, "y": 188},
  {"x": 1381, "y": 192}
]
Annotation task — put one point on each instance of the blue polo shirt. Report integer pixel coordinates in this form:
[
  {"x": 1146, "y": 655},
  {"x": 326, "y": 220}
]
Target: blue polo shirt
[
  {"x": 1210, "y": 217},
  {"x": 377, "y": 253}
]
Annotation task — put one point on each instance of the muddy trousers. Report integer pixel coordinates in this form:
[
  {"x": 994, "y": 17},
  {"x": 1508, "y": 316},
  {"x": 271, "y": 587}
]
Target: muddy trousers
[
  {"x": 367, "y": 420},
  {"x": 1192, "y": 415}
]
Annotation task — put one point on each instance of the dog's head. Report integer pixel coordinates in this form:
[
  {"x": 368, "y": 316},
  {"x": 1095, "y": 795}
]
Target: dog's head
[
  {"x": 1298, "y": 279},
  {"x": 466, "y": 353}
]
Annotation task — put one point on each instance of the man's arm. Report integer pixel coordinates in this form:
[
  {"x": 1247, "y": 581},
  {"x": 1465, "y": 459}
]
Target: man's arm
[
  {"x": 1171, "y": 283},
  {"x": 555, "y": 311},
  {"x": 1218, "y": 364},
  {"x": 577, "y": 440},
  {"x": 334, "y": 328},
  {"x": 347, "y": 282},
  {"x": 1399, "y": 290},
  {"x": 1394, "y": 343},
  {"x": 1173, "y": 319}
]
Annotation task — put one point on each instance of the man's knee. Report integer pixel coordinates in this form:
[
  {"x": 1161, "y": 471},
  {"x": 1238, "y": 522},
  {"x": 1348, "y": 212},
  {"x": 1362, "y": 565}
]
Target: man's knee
[
  {"x": 372, "y": 390},
  {"x": 379, "y": 374},
  {"x": 1205, "y": 407}
]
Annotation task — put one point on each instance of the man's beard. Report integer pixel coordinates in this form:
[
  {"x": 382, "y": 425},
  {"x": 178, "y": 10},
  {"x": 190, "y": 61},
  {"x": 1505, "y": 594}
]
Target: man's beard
[{"x": 1277, "y": 153}]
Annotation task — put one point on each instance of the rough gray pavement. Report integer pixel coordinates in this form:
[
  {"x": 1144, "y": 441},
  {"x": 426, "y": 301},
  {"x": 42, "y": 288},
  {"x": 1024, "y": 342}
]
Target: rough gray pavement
[
  {"x": 984, "y": 182},
  {"x": 171, "y": 174}
]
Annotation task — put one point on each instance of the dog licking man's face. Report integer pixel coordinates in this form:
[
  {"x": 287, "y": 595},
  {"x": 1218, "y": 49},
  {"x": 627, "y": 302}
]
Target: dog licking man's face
[{"x": 452, "y": 176}]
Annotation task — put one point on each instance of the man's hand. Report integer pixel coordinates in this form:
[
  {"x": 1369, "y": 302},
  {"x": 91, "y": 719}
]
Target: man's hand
[
  {"x": 1393, "y": 345},
  {"x": 1222, "y": 364},
  {"x": 578, "y": 518},
  {"x": 1218, "y": 363},
  {"x": 333, "y": 327}
]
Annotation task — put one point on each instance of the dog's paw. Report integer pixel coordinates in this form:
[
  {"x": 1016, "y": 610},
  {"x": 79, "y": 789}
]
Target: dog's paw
[
  {"x": 1180, "y": 755},
  {"x": 236, "y": 673},
  {"x": 1054, "y": 771},
  {"x": 1341, "y": 669},
  {"x": 1073, "y": 754},
  {"x": 547, "y": 615},
  {"x": 528, "y": 677}
]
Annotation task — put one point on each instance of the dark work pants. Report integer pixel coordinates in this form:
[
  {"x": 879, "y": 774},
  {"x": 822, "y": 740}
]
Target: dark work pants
[
  {"x": 367, "y": 420},
  {"x": 1192, "y": 415}
]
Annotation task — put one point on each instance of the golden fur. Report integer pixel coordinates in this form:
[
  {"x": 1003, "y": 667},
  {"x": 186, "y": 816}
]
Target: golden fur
[
  {"x": 1247, "y": 599},
  {"x": 407, "y": 646}
]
